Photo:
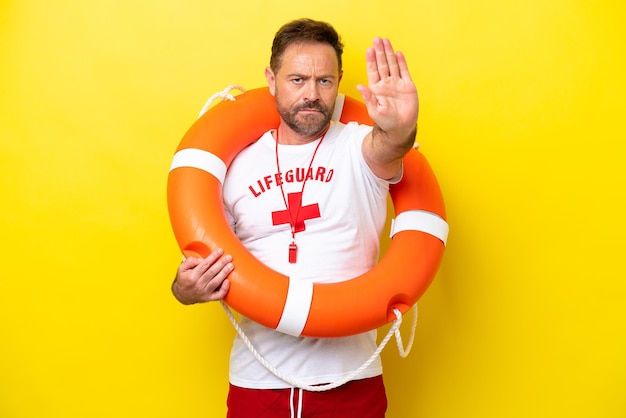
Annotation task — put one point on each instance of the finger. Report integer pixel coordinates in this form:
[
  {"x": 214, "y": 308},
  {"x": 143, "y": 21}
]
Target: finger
[
  {"x": 217, "y": 280},
  {"x": 403, "y": 66},
  {"x": 370, "y": 66},
  {"x": 209, "y": 260},
  {"x": 222, "y": 264},
  {"x": 189, "y": 263},
  {"x": 381, "y": 58},
  {"x": 217, "y": 253},
  {"x": 185, "y": 270},
  {"x": 221, "y": 291},
  {"x": 390, "y": 57},
  {"x": 366, "y": 93}
]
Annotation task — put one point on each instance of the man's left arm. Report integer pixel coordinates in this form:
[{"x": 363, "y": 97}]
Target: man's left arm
[{"x": 392, "y": 103}]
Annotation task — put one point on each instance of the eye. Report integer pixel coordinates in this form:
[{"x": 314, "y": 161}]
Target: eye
[
  {"x": 296, "y": 80},
  {"x": 326, "y": 82}
]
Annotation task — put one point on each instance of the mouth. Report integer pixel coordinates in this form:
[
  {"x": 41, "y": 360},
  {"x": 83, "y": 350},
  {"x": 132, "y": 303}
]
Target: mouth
[
  {"x": 310, "y": 110},
  {"x": 311, "y": 113}
]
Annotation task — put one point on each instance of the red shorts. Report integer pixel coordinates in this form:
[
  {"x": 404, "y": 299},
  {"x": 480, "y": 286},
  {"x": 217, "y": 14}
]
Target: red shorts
[{"x": 357, "y": 399}]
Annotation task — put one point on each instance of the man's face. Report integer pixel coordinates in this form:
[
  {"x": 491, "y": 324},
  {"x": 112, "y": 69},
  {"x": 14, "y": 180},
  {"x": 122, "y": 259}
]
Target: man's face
[{"x": 306, "y": 86}]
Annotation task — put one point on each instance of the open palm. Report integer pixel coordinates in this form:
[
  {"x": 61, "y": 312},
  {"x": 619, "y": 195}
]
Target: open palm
[{"x": 391, "y": 97}]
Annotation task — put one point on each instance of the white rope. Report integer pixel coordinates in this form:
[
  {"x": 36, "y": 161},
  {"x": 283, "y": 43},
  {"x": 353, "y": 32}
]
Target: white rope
[
  {"x": 404, "y": 352},
  {"x": 354, "y": 374},
  {"x": 224, "y": 95}
]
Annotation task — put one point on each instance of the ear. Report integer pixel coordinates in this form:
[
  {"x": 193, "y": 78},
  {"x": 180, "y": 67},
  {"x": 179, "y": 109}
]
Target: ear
[{"x": 271, "y": 80}]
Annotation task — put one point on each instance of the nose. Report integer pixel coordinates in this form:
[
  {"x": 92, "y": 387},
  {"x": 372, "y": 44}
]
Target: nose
[{"x": 312, "y": 92}]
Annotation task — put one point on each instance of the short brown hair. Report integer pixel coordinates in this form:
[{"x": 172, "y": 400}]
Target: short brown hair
[{"x": 302, "y": 31}]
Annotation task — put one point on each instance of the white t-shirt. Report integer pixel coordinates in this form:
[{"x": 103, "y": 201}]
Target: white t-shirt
[{"x": 343, "y": 212}]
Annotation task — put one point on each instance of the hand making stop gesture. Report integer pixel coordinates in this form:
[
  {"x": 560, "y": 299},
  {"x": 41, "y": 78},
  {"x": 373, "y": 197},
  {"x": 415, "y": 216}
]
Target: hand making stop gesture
[
  {"x": 392, "y": 103},
  {"x": 391, "y": 97}
]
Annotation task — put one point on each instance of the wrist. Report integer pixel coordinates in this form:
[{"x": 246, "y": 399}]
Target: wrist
[{"x": 176, "y": 291}]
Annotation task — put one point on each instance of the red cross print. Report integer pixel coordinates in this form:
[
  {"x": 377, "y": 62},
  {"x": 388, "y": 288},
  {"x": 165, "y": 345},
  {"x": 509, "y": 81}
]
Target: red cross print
[{"x": 296, "y": 211}]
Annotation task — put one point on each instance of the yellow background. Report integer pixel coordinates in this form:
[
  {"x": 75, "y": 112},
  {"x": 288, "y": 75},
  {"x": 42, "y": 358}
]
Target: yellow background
[{"x": 522, "y": 119}]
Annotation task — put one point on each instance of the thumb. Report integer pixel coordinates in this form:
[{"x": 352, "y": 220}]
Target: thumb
[
  {"x": 190, "y": 262},
  {"x": 366, "y": 93}
]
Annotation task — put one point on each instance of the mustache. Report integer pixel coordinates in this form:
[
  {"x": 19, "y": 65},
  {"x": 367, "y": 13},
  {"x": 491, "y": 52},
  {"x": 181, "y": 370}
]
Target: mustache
[{"x": 312, "y": 106}]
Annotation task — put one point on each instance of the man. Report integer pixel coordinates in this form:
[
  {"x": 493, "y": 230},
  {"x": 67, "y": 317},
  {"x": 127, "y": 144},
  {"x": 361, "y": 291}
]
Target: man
[{"x": 340, "y": 174}]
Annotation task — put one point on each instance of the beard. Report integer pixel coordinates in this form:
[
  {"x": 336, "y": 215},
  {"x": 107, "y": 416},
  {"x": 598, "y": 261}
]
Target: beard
[{"x": 308, "y": 124}]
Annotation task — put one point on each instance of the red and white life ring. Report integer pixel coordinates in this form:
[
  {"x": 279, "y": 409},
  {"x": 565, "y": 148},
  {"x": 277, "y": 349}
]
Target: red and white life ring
[{"x": 363, "y": 303}]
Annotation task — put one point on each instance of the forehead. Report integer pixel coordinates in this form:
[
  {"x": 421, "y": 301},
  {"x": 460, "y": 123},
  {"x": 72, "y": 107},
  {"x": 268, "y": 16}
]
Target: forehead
[{"x": 309, "y": 58}]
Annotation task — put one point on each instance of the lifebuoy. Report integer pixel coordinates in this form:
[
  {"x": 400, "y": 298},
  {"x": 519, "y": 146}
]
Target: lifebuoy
[{"x": 363, "y": 303}]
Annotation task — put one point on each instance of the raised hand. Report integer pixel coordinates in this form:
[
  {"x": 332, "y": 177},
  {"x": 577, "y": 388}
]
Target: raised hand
[{"x": 391, "y": 97}]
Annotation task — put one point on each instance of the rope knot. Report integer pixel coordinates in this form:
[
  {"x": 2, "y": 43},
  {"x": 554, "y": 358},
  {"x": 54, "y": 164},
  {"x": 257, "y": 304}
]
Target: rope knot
[{"x": 224, "y": 95}]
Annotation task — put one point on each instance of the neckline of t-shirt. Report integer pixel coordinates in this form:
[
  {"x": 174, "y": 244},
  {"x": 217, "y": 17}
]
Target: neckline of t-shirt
[{"x": 269, "y": 141}]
